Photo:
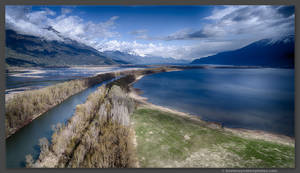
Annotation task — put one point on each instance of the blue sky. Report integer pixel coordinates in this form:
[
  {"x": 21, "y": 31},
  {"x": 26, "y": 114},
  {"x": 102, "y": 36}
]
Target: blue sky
[
  {"x": 157, "y": 20},
  {"x": 181, "y": 32}
]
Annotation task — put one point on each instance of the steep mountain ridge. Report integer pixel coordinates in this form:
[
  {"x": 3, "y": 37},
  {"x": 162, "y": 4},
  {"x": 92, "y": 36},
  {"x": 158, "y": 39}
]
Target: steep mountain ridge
[
  {"x": 27, "y": 50},
  {"x": 266, "y": 52}
]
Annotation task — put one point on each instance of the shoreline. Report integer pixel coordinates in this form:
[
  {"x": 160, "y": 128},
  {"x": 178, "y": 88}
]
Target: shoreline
[
  {"x": 12, "y": 131},
  {"x": 249, "y": 133},
  {"x": 142, "y": 102},
  {"x": 84, "y": 81},
  {"x": 33, "y": 118},
  {"x": 244, "y": 133},
  {"x": 19, "y": 90}
]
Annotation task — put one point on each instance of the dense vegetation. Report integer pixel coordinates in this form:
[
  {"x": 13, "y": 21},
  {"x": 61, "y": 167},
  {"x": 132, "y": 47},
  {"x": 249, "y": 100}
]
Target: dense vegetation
[
  {"x": 97, "y": 136},
  {"x": 169, "y": 140},
  {"x": 22, "y": 108}
]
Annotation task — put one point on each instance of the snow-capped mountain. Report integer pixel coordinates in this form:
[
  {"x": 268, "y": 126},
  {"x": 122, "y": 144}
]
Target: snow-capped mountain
[{"x": 266, "y": 52}]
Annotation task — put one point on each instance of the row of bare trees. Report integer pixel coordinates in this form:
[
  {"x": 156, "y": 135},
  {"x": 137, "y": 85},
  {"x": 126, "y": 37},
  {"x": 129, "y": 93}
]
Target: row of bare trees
[
  {"x": 23, "y": 107},
  {"x": 98, "y": 135}
]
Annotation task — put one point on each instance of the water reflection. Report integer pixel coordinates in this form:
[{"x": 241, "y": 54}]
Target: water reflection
[
  {"x": 26, "y": 140},
  {"x": 40, "y": 77},
  {"x": 241, "y": 98}
]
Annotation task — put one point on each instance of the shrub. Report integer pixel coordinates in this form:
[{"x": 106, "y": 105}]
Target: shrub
[
  {"x": 97, "y": 135},
  {"x": 24, "y": 107}
]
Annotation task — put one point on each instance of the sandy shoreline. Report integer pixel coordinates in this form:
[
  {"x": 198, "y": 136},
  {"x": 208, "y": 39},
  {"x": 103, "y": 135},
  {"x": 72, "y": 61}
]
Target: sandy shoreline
[{"x": 245, "y": 133}]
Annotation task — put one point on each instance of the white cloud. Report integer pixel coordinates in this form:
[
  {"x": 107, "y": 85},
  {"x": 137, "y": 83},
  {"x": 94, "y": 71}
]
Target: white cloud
[
  {"x": 138, "y": 48},
  {"x": 187, "y": 52},
  {"x": 228, "y": 28},
  {"x": 250, "y": 22},
  {"x": 218, "y": 14},
  {"x": 25, "y": 21},
  {"x": 247, "y": 22},
  {"x": 20, "y": 19}
]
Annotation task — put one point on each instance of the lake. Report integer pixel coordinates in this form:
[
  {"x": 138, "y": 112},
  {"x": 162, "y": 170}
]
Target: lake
[
  {"x": 34, "y": 78},
  {"x": 259, "y": 98}
]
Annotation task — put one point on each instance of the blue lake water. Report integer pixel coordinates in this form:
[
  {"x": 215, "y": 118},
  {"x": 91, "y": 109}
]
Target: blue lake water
[
  {"x": 261, "y": 99},
  {"x": 34, "y": 78}
]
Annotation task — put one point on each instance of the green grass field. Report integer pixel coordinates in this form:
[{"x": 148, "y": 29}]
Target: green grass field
[{"x": 168, "y": 140}]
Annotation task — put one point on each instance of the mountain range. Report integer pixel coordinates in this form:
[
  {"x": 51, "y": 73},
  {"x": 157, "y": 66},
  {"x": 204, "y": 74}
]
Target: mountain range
[
  {"x": 136, "y": 59},
  {"x": 28, "y": 50},
  {"x": 266, "y": 53}
]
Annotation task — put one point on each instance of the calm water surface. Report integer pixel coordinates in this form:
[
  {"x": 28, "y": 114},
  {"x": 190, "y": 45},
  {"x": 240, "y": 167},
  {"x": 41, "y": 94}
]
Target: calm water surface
[
  {"x": 241, "y": 98},
  {"x": 26, "y": 140},
  {"x": 35, "y": 78},
  {"x": 260, "y": 99}
]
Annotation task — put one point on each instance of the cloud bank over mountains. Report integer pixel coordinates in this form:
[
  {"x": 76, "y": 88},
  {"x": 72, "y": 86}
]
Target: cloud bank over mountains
[
  {"x": 23, "y": 20},
  {"x": 225, "y": 28}
]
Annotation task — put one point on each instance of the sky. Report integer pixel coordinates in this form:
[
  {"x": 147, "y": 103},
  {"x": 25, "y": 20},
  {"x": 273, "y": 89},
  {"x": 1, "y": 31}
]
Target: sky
[{"x": 180, "y": 32}]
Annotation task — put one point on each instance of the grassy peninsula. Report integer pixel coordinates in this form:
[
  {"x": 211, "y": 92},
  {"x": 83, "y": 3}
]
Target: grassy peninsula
[
  {"x": 166, "y": 139},
  {"x": 118, "y": 128}
]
